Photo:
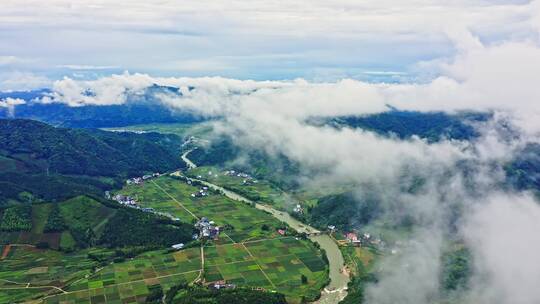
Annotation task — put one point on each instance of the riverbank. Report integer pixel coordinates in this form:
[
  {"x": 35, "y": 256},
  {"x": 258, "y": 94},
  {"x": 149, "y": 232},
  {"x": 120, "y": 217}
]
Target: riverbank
[{"x": 337, "y": 288}]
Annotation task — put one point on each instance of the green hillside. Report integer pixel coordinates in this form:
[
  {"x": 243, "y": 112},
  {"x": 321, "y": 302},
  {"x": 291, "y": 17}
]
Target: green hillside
[{"x": 41, "y": 162}]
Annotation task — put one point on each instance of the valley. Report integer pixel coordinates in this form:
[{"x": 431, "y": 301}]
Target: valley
[{"x": 258, "y": 247}]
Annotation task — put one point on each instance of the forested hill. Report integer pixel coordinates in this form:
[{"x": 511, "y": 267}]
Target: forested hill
[
  {"x": 432, "y": 126},
  {"x": 44, "y": 160},
  {"x": 524, "y": 170}
]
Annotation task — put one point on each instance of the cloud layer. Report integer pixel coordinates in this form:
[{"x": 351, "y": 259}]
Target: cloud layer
[{"x": 316, "y": 40}]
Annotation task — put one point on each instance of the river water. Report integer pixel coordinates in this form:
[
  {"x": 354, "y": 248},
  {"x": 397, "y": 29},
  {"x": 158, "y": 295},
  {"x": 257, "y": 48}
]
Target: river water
[{"x": 337, "y": 289}]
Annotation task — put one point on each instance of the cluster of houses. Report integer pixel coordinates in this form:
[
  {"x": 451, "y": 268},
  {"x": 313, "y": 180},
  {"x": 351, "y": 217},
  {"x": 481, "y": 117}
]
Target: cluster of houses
[
  {"x": 201, "y": 193},
  {"x": 298, "y": 209},
  {"x": 123, "y": 200},
  {"x": 140, "y": 180},
  {"x": 210, "y": 174},
  {"x": 247, "y": 179},
  {"x": 207, "y": 229},
  {"x": 222, "y": 284},
  {"x": 129, "y": 201},
  {"x": 362, "y": 240}
]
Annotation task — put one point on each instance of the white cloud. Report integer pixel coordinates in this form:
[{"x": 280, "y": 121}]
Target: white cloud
[
  {"x": 481, "y": 77},
  {"x": 88, "y": 67},
  {"x": 340, "y": 35},
  {"x": 503, "y": 235},
  {"x": 22, "y": 81},
  {"x": 10, "y": 103},
  {"x": 8, "y": 60}
]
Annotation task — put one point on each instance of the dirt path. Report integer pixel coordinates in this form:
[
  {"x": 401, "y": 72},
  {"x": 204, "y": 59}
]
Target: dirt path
[
  {"x": 260, "y": 267},
  {"x": 119, "y": 284},
  {"x": 5, "y": 252},
  {"x": 174, "y": 199},
  {"x": 185, "y": 208}
]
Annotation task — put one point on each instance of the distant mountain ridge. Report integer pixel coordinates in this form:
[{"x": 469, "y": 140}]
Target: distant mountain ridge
[
  {"x": 139, "y": 109},
  {"x": 432, "y": 126}
]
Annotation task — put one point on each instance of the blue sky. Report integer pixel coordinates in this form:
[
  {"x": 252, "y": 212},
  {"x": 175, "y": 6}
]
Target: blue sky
[{"x": 383, "y": 40}]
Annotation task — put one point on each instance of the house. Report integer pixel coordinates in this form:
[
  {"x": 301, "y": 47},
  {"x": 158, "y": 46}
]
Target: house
[
  {"x": 178, "y": 246},
  {"x": 281, "y": 231},
  {"x": 298, "y": 209},
  {"x": 331, "y": 227},
  {"x": 207, "y": 228},
  {"x": 351, "y": 236},
  {"x": 222, "y": 284}
]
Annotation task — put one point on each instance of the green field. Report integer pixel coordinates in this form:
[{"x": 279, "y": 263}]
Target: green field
[
  {"x": 261, "y": 190},
  {"x": 78, "y": 211},
  {"x": 248, "y": 255},
  {"x": 41, "y": 270},
  {"x": 275, "y": 264},
  {"x": 170, "y": 195},
  {"x": 131, "y": 281},
  {"x": 180, "y": 129}
]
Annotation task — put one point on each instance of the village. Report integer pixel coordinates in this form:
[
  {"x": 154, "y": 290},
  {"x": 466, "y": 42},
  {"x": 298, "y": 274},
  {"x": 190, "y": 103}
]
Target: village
[
  {"x": 140, "y": 180},
  {"x": 131, "y": 202},
  {"x": 247, "y": 179}
]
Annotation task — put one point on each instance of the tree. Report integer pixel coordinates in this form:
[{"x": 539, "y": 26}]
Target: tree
[
  {"x": 155, "y": 295},
  {"x": 304, "y": 279}
]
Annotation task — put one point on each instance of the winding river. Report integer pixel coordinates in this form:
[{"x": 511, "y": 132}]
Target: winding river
[{"x": 337, "y": 288}]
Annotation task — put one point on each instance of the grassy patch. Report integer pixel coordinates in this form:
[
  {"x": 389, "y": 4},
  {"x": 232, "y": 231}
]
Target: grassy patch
[{"x": 40, "y": 213}]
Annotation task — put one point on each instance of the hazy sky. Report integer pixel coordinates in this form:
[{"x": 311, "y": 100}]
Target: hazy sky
[{"x": 373, "y": 40}]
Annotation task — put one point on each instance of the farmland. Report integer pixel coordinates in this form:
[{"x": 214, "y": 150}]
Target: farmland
[
  {"x": 170, "y": 195},
  {"x": 249, "y": 253},
  {"x": 254, "y": 189},
  {"x": 132, "y": 280},
  {"x": 78, "y": 212}
]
